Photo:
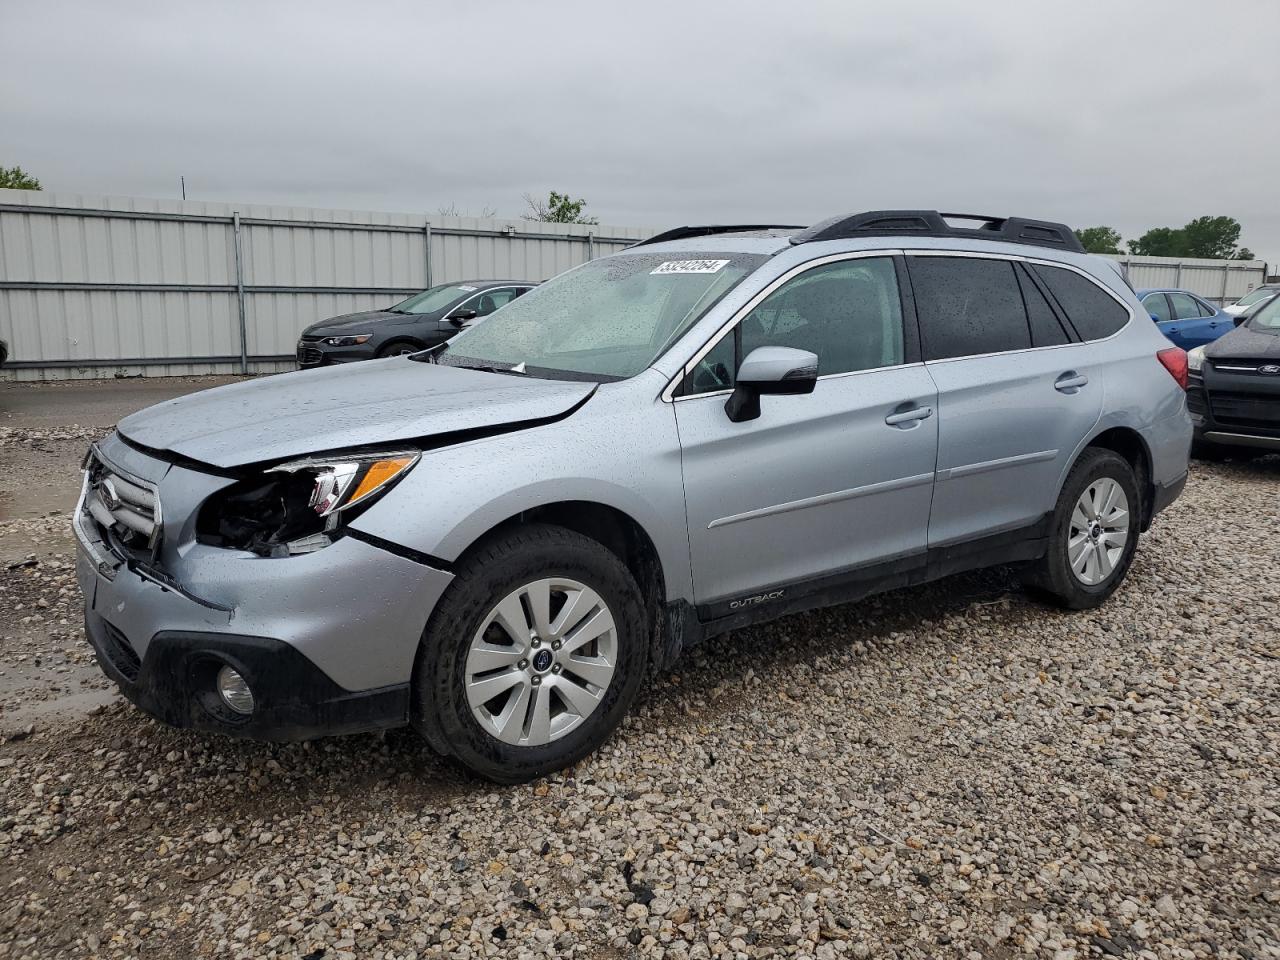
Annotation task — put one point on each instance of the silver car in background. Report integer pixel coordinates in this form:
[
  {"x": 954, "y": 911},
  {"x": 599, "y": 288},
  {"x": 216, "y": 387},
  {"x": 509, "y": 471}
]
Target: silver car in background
[{"x": 495, "y": 540}]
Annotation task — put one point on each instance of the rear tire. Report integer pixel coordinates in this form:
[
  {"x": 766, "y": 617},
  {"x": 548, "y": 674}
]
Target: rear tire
[
  {"x": 554, "y": 701},
  {"x": 1093, "y": 533}
]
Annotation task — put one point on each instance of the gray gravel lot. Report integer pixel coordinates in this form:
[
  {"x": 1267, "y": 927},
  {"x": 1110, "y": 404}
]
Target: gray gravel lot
[{"x": 950, "y": 771}]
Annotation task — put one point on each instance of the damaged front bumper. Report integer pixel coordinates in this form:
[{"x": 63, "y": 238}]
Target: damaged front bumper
[{"x": 326, "y": 640}]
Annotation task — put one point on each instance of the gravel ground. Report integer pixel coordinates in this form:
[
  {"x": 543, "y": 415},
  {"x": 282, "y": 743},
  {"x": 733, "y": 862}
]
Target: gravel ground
[{"x": 951, "y": 771}]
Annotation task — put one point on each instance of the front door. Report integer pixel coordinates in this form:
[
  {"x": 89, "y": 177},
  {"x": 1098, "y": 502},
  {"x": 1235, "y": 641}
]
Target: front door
[{"x": 818, "y": 484}]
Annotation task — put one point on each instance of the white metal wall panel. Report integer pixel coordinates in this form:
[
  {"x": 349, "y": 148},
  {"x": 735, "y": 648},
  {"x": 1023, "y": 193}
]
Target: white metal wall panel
[
  {"x": 123, "y": 288},
  {"x": 1218, "y": 281}
]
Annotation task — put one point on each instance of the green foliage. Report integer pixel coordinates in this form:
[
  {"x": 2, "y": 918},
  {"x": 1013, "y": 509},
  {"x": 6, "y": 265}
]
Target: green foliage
[
  {"x": 1213, "y": 238},
  {"x": 1159, "y": 242},
  {"x": 557, "y": 208},
  {"x": 1100, "y": 239},
  {"x": 15, "y": 178}
]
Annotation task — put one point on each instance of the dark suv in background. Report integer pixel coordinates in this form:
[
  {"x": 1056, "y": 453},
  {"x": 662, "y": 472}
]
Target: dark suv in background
[
  {"x": 1233, "y": 391},
  {"x": 424, "y": 320}
]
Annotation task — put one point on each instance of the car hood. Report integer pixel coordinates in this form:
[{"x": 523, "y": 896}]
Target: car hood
[
  {"x": 390, "y": 401},
  {"x": 359, "y": 322},
  {"x": 1243, "y": 343}
]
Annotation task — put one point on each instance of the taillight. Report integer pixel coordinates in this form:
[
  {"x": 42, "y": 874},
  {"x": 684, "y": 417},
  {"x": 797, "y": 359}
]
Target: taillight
[{"x": 1175, "y": 361}]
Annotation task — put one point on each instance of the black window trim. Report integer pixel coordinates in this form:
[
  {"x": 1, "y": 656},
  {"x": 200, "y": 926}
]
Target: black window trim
[
  {"x": 1034, "y": 261},
  {"x": 1213, "y": 311},
  {"x": 1064, "y": 322},
  {"x": 674, "y": 390}
]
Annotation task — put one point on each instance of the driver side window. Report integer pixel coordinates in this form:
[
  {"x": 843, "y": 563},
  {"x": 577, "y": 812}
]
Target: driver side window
[{"x": 848, "y": 313}]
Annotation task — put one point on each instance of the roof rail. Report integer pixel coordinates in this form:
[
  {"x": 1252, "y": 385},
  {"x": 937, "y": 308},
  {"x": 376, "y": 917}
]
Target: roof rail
[
  {"x": 684, "y": 233},
  {"x": 931, "y": 223}
]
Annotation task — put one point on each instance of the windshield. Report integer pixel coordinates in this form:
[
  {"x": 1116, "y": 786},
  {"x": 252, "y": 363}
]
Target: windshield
[
  {"x": 609, "y": 318},
  {"x": 1251, "y": 298},
  {"x": 437, "y": 298},
  {"x": 1267, "y": 319}
]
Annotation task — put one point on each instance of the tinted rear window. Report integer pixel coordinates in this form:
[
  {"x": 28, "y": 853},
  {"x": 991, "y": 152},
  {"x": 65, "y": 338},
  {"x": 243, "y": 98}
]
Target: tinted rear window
[
  {"x": 968, "y": 306},
  {"x": 1092, "y": 311}
]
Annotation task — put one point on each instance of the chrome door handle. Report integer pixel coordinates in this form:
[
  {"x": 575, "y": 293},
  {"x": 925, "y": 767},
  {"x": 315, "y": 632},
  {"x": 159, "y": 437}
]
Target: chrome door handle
[
  {"x": 1070, "y": 382},
  {"x": 908, "y": 416}
]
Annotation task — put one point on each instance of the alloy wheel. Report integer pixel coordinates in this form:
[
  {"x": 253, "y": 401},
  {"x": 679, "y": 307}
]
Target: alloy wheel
[
  {"x": 541, "y": 661},
  {"x": 1099, "y": 531}
]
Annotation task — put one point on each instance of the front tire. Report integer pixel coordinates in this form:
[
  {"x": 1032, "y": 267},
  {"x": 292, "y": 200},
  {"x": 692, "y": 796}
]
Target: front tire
[
  {"x": 533, "y": 655},
  {"x": 1094, "y": 533},
  {"x": 401, "y": 348}
]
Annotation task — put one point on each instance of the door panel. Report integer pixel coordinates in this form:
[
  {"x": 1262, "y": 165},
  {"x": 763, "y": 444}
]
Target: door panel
[
  {"x": 1008, "y": 426},
  {"x": 816, "y": 485}
]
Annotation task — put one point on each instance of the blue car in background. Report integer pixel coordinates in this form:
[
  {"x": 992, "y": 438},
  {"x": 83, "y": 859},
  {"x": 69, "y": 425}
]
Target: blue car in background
[{"x": 1184, "y": 318}]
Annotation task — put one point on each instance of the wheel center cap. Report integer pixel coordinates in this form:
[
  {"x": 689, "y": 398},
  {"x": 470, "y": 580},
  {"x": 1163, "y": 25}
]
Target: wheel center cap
[
  {"x": 542, "y": 661},
  {"x": 1095, "y": 530}
]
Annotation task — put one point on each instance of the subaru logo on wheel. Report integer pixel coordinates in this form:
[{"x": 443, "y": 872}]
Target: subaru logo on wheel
[{"x": 1270, "y": 369}]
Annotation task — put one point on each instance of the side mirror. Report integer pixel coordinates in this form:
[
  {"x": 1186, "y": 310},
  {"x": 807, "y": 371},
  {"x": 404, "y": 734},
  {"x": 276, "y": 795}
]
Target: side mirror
[
  {"x": 461, "y": 317},
  {"x": 770, "y": 370},
  {"x": 1155, "y": 318}
]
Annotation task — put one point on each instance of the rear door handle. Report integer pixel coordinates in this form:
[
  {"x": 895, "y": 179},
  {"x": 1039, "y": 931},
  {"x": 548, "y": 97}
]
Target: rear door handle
[
  {"x": 1070, "y": 382},
  {"x": 908, "y": 416}
]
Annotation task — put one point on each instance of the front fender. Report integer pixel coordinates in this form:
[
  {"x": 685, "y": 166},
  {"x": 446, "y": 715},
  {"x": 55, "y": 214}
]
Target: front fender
[{"x": 620, "y": 450}]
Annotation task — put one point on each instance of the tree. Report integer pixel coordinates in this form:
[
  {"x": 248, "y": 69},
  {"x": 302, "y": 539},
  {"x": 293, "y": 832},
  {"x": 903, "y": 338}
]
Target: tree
[
  {"x": 1159, "y": 242},
  {"x": 15, "y": 178},
  {"x": 1213, "y": 238},
  {"x": 557, "y": 208},
  {"x": 1099, "y": 239}
]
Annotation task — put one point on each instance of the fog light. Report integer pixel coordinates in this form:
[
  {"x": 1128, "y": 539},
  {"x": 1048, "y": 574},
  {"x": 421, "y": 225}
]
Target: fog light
[{"x": 235, "y": 692}]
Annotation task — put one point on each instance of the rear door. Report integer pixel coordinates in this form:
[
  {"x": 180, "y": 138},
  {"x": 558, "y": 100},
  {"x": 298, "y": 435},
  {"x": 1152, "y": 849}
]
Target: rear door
[
  {"x": 821, "y": 484},
  {"x": 1193, "y": 322},
  {"x": 1017, "y": 392}
]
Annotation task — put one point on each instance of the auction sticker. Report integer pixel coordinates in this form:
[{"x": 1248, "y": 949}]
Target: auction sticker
[{"x": 689, "y": 266}]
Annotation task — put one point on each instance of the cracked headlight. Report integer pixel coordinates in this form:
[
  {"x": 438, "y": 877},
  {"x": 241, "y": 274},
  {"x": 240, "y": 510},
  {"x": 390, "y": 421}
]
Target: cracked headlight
[{"x": 300, "y": 506}]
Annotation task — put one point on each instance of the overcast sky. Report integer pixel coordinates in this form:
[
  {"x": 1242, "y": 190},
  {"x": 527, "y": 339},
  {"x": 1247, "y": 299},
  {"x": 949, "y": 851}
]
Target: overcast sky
[{"x": 1123, "y": 113}]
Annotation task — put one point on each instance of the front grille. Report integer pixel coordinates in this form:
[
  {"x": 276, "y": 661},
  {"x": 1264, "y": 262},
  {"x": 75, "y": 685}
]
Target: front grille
[
  {"x": 1263, "y": 368},
  {"x": 125, "y": 509},
  {"x": 1195, "y": 402},
  {"x": 308, "y": 354},
  {"x": 120, "y": 652},
  {"x": 1245, "y": 410}
]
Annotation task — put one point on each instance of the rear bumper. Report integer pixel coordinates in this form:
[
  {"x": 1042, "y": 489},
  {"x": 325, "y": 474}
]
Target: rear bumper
[
  {"x": 1166, "y": 493},
  {"x": 294, "y": 699}
]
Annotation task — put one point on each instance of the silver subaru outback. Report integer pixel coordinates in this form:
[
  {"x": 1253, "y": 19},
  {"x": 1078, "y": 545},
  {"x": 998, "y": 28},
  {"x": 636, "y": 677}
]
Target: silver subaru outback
[{"x": 495, "y": 540}]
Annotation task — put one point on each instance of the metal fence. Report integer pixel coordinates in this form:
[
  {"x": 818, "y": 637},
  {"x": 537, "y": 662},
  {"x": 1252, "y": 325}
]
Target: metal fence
[
  {"x": 1218, "y": 281},
  {"x": 100, "y": 287}
]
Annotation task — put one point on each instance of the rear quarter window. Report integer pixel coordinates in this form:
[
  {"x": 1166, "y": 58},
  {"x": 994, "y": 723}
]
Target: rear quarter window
[{"x": 1092, "y": 311}]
